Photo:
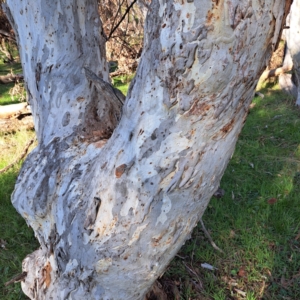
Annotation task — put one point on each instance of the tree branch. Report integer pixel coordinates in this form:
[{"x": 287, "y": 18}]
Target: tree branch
[
  {"x": 8, "y": 35},
  {"x": 276, "y": 72},
  {"x": 4, "y": 79},
  {"x": 209, "y": 237},
  {"x": 16, "y": 278},
  {"x": 19, "y": 158},
  {"x": 121, "y": 20}
]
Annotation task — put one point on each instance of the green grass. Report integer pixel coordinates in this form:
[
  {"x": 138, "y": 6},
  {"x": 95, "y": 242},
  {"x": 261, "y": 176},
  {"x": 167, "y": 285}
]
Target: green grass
[
  {"x": 256, "y": 223},
  {"x": 5, "y": 68},
  {"x": 16, "y": 239},
  {"x": 122, "y": 82}
]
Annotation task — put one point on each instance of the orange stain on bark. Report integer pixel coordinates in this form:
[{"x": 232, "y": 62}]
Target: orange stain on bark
[
  {"x": 47, "y": 274},
  {"x": 120, "y": 170}
]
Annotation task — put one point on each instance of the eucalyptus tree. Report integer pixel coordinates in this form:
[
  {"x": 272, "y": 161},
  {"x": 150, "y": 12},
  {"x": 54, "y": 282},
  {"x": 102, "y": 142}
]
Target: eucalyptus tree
[{"x": 112, "y": 191}]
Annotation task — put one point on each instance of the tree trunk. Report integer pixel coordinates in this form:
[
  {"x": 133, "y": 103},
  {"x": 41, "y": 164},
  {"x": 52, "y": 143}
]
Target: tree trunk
[
  {"x": 111, "y": 214},
  {"x": 291, "y": 82}
]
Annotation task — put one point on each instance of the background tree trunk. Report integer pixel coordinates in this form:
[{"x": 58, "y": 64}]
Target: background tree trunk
[
  {"x": 110, "y": 215},
  {"x": 291, "y": 82},
  {"x": 7, "y": 39}
]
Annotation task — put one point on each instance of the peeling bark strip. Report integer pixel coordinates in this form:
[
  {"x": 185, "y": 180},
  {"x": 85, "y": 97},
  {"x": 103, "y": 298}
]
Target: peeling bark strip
[{"x": 155, "y": 175}]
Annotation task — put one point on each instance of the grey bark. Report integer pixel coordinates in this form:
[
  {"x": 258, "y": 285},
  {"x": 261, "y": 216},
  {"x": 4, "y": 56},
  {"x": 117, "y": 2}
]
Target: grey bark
[{"x": 110, "y": 212}]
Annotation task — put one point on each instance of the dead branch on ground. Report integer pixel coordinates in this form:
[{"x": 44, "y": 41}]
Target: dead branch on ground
[{"x": 22, "y": 155}]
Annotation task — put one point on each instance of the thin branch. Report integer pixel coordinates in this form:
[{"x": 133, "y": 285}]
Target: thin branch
[
  {"x": 114, "y": 20},
  {"x": 23, "y": 154},
  {"x": 125, "y": 33},
  {"x": 193, "y": 272},
  {"x": 124, "y": 43},
  {"x": 16, "y": 278},
  {"x": 276, "y": 72},
  {"x": 7, "y": 34},
  {"x": 209, "y": 237},
  {"x": 121, "y": 20}
]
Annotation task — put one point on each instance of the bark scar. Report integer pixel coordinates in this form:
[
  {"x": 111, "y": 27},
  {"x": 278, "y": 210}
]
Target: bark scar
[
  {"x": 38, "y": 71},
  {"x": 46, "y": 275},
  {"x": 120, "y": 170}
]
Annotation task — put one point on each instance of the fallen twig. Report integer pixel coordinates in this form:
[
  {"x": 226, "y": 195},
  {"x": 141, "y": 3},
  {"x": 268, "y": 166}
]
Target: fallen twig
[
  {"x": 4, "y": 79},
  {"x": 192, "y": 272},
  {"x": 16, "y": 278},
  {"x": 209, "y": 237},
  {"x": 261, "y": 95},
  {"x": 19, "y": 158},
  {"x": 14, "y": 110}
]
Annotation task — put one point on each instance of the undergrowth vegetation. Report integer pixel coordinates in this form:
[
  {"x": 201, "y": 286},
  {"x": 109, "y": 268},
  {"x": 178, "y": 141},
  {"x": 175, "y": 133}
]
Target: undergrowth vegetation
[{"x": 256, "y": 223}]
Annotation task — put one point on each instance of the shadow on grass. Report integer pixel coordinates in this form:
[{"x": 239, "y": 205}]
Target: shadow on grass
[
  {"x": 257, "y": 221},
  {"x": 16, "y": 239}
]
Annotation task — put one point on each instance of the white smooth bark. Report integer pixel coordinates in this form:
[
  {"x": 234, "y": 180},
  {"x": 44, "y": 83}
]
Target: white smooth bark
[{"x": 111, "y": 215}]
